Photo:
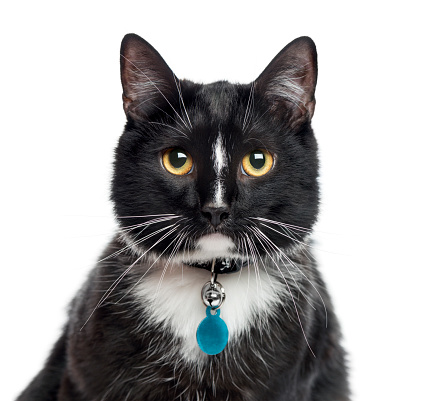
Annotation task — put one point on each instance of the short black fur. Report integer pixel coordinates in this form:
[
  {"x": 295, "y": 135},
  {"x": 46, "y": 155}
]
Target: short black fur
[{"x": 111, "y": 348}]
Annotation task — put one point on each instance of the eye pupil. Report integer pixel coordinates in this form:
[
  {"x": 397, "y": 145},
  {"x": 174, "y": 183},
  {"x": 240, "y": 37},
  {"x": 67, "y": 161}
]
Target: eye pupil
[
  {"x": 177, "y": 161},
  {"x": 257, "y": 159},
  {"x": 257, "y": 163},
  {"x": 177, "y": 158}
]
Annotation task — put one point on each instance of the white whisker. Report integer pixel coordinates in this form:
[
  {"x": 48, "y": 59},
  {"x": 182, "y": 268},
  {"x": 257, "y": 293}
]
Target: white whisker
[
  {"x": 169, "y": 127},
  {"x": 155, "y": 86},
  {"x": 150, "y": 267},
  {"x": 119, "y": 279},
  {"x": 249, "y": 107},
  {"x": 254, "y": 250},
  {"x": 281, "y": 254},
  {"x": 134, "y": 243},
  {"x": 178, "y": 86},
  {"x": 179, "y": 240},
  {"x": 259, "y": 236},
  {"x": 290, "y": 226}
]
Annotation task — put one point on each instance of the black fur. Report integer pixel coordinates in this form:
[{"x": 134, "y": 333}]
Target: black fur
[{"x": 111, "y": 351}]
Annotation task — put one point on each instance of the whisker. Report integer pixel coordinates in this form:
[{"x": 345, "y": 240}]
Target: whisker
[
  {"x": 245, "y": 240},
  {"x": 275, "y": 248},
  {"x": 254, "y": 125},
  {"x": 148, "y": 215},
  {"x": 239, "y": 250},
  {"x": 155, "y": 232},
  {"x": 174, "y": 251},
  {"x": 149, "y": 268},
  {"x": 257, "y": 236},
  {"x": 134, "y": 243},
  {"x": 290, "y": 226},
  {"x": 127, "y": 229},
  {"x": 119, "y": 279},
  {"x": 156, "y": 87},
  {"x": 133, "y": 240},
  {"x": 255, "y": 255},
  {"x": 111, "y": 289},
  {"x": 139, "y": 258},
  {"x": 254, "y": 250},
  {"x": 306, "y": 252},
  {"x": 292, "y": 263},
  {"x": 304, "y": 244},
  {"x": 288, "y": 236},
  {"x": 170, "y": 127},
  {"x": 178, "y": 86},
  {"x": 249, "y": 107}
]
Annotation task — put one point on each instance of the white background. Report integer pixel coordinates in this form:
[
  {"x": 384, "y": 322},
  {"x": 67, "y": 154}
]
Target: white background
[{"x": 61, "y": 116}]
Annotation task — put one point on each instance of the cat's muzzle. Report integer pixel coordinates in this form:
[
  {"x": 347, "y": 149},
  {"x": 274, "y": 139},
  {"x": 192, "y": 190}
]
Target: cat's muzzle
[{"x": 222, "y": 266}]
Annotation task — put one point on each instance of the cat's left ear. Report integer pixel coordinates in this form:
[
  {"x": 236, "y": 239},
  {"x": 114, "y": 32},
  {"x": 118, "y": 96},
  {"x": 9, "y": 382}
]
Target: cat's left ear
[{"x": 289, "y": 81}]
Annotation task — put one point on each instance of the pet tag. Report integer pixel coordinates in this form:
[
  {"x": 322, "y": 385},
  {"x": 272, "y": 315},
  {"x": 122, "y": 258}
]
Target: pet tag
[{"x": 212, "y": 333}]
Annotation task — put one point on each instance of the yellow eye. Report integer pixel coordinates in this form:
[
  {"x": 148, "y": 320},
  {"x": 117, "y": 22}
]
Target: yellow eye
[
  {"x": 177, "y": 161},
  {"x": 257, "y": 163}
]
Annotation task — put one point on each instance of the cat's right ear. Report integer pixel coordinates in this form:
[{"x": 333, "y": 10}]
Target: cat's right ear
[{"x": 147, "y": 81}]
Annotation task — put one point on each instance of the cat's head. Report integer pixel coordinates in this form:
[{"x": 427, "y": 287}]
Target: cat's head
[{"x": 225, "y": 171}]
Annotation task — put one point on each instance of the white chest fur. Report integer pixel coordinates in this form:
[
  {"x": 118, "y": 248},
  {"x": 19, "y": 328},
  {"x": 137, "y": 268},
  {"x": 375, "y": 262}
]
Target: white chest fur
[{"x": 174, "y": 301}]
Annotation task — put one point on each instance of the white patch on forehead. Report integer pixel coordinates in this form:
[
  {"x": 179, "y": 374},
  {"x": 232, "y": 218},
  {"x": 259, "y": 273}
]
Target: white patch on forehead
[
  {"x": 219, "y": 155},
  {"x": 218, "y": 193},
  {"x": 219, "y": 158}
]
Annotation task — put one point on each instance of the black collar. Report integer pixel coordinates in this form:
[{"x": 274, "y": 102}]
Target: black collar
[{"x": 222, "y": 266}]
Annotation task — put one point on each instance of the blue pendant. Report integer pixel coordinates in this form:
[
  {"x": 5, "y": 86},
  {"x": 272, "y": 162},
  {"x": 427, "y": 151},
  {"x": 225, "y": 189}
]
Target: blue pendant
[{"x": 212, "y": 333}]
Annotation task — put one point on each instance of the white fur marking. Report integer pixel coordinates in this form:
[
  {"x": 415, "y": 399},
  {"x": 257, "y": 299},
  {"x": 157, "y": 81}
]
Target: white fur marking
[
  {"x": 217, "y": 243},
  {"x": 220, "y": 164},
  {"x": 219, "y": 158},
  {"x": 178, "y": 307},
  {"x": 219, "y": 193},
  {"x": 208, "y": 248}
]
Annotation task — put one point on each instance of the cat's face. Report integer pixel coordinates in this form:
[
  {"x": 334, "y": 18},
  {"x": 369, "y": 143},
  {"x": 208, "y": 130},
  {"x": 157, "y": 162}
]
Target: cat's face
[{"x": 219, "y": 170}]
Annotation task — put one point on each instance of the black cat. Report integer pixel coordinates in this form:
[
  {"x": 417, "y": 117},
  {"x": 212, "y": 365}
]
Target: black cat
[{"x": 218, "y": 177}]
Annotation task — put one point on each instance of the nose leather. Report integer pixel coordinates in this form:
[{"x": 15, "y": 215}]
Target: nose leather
[{"x": 215, "y": 214}]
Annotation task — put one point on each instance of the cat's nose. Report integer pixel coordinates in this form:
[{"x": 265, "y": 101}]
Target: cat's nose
[{"x": 215, "y": 214}]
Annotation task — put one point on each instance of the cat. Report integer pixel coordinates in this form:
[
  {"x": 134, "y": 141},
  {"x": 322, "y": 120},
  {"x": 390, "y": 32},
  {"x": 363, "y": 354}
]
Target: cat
[{"x": 212, "y": 182}]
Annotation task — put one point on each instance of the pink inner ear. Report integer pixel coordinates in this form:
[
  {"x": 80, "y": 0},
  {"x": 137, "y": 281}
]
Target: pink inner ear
[
  {"x": 289, "y": 81},
  {"x": 147, "y": 80}
]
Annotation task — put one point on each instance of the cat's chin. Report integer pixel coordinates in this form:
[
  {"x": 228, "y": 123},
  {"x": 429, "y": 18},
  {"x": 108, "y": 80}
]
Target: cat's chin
[
  {"x": 212, "y": 246},
  {"x": 215, "y": 247}
]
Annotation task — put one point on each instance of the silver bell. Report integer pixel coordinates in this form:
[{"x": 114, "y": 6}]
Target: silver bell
[{"x": 213, "y": 294}]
